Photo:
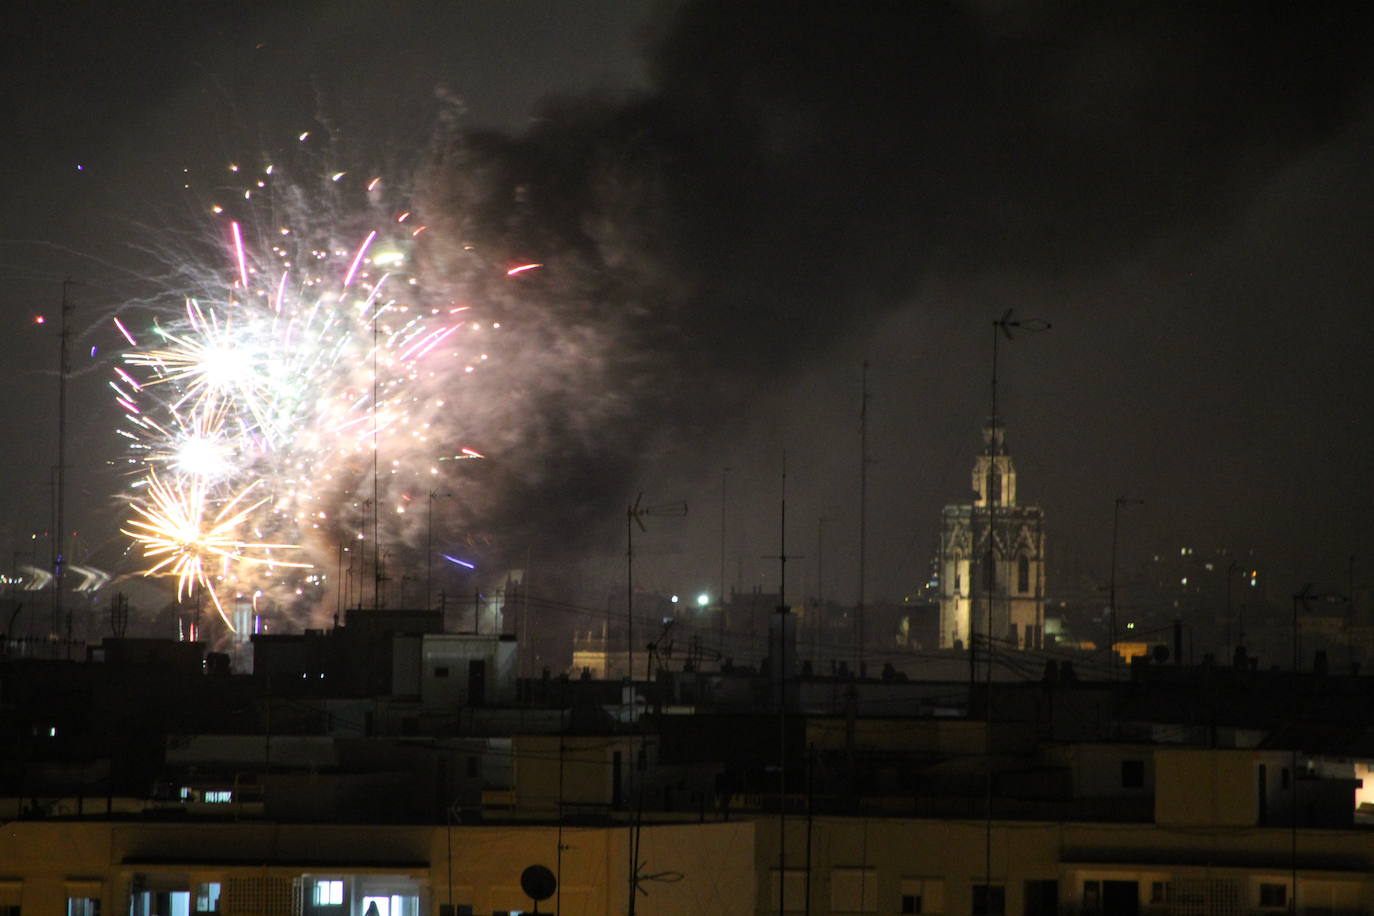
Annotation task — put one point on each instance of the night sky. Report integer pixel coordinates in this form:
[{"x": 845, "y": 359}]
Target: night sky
[{"x": 736, "y": 206}]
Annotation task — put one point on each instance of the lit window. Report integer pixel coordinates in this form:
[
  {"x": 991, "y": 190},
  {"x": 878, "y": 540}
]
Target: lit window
[
  {"x": 83, "y": 906},
  {"x": 219, "y": 796},
  {"x": 329, "y": 893},
  {"x": 207, "y": 897}
]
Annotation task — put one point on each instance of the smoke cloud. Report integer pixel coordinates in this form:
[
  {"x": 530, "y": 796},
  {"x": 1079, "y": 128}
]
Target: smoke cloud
[{"x": 794, "y": 171}]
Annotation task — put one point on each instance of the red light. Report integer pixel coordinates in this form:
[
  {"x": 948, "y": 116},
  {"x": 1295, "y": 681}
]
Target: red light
[{"x": 39, "y": 320}]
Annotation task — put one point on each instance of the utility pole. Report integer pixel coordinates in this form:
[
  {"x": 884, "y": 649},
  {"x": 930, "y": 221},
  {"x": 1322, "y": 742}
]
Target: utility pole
[
  {"x": 634, "y": 515},
  {"x": 780, "y": 661},
  {"x": 1001, "y": 327}
]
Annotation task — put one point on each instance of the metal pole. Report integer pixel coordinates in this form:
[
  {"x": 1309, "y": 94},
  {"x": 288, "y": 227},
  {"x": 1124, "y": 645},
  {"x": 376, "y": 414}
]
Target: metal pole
[
  {"x": 863, "y": 516},
  {"x": 59, "y": 561},
  {"x": 720, "y": 623},
  {"x": 1111, "y": 596},
  {"x": 429, "y": 552}
]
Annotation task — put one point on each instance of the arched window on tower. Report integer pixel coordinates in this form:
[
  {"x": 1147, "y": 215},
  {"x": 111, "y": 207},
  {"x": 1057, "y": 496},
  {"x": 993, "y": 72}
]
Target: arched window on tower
[
  {"x": 1023, "y": 574},
  {"x": 996, "y": 492}
]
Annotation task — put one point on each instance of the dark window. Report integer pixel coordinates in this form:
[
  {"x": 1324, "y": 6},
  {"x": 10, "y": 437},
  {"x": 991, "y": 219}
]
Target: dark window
[
  {"x": 441, "y": 671},
  {"x": 1132, "y": 774},
  {"x": 1284, "y": 778},
  {"x": 1159, "y": 892},
  {"x": 996, "y": 488},
  {"x": 1092, "y": 898},
  {"x": 1023, "y": 574},
  {"x": 1275, "y": 895},
  {"x": 989, "y": 900},
  {"x": 472, "y": 768},
  {"x": 1121, "y": 898},
  {"x": 1263, "y": 795},
  {"x": 1042, "y": 898},
  {"x": 911, "y": 903}
]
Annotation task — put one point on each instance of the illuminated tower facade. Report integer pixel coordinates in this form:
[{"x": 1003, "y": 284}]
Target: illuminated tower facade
[{"x": 1011, "y": 576}]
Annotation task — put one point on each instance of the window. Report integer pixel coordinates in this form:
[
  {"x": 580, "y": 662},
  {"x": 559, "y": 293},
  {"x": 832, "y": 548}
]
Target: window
[
  {"x": 1092, "y": 898},
  {"x": 441, "y": 671},
  {"x": 1284, "y": 778},
  {"x": 1273, "y": 896},
  {"x": 1159, "y": 892},
  {"x": 207, "y": 897},
  {"x": 218, "y": 796},
  {"x": 9, "y": 897},
  {"x": 923, "y": 895},
  {"x": 854, "y": 890},
  {"x": 329, "y": 892},
  {"x": 1042, "y": 897},
  {"x": 459, "y": 909},
  {"x": 1023, "y": 574},
  {"x": 83, "y": 906},
  {"x": 1132, "y": 774},
  {"x": 989, "y": 900}
]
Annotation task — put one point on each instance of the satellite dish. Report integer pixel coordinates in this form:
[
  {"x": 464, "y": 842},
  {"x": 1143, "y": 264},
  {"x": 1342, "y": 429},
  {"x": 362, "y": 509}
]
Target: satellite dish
[{"x": 538, "y": 883}]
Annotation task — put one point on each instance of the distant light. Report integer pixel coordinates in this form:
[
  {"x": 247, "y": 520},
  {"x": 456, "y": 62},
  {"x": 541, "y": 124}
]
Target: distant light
[
  {"x": 39, "y": 319},
  {"x": 1183, "y": 581},
  {"x": 52, "y": 732},
  {"x": 80, "y": 167},
  {"x": 458, "y": 561},
  {"x": 674, "y": 599},
  {"x": 1130, "y": 626},
  {"x": 521, "y": 269},
  {"x": 703, "y": 599}
]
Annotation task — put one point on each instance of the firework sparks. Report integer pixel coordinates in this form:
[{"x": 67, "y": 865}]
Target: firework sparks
[
  {"x": 183, "y": 535},
  {"x": 254, "y": 413}
]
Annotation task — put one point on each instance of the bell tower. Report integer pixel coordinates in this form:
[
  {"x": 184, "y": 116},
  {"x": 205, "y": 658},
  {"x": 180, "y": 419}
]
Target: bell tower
[{"x": 992, "y": 557}]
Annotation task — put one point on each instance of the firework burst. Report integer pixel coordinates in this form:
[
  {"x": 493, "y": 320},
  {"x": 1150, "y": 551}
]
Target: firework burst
[{"x": 255, "y": 412}]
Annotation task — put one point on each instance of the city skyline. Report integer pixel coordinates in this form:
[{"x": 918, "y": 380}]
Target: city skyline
[{"x": 733, "y": 218}]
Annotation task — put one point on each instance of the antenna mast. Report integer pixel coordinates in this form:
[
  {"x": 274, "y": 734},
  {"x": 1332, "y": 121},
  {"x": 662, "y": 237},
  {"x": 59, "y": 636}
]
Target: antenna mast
[
  {"x": 863, "y": 517},
  {"x": 59, "y": 560}
]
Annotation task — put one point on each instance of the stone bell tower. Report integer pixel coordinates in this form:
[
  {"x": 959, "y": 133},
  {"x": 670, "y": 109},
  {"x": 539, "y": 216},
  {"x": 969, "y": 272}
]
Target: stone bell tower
[{"x": 992, "y": 554}]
